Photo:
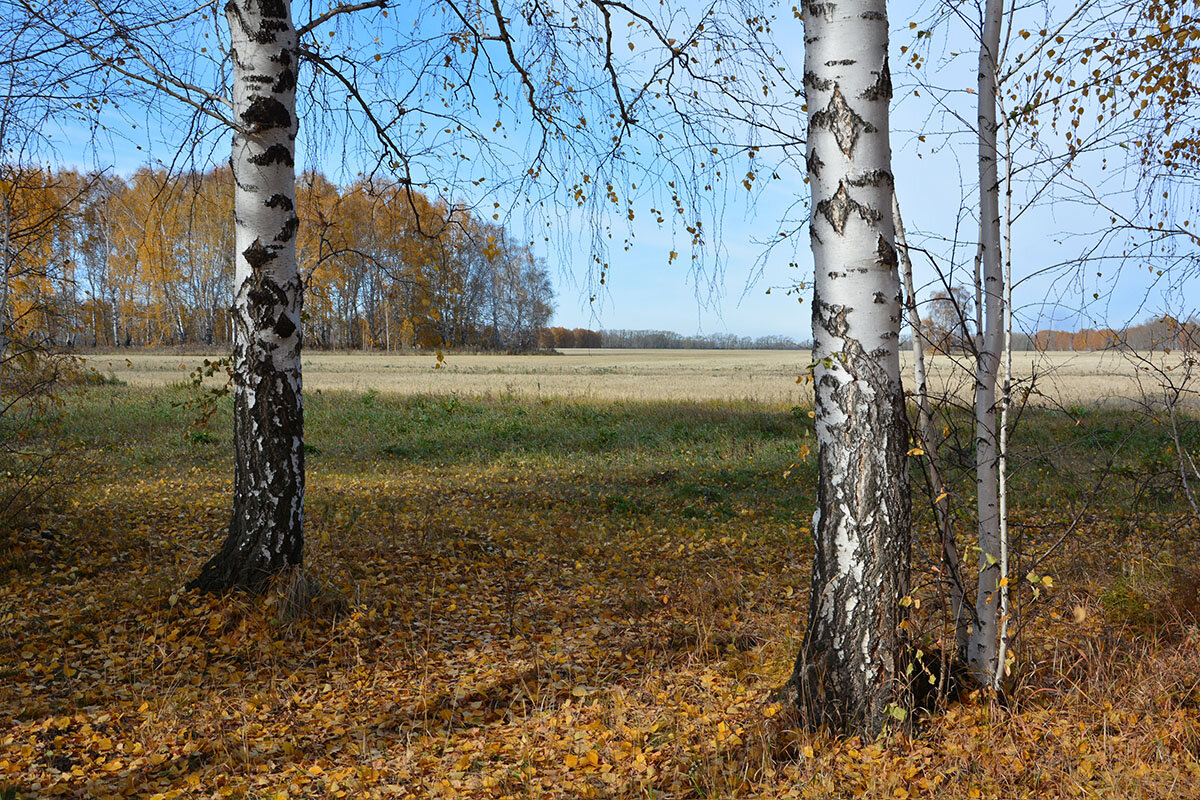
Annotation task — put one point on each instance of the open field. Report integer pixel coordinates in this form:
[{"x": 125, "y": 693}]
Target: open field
[
  {"x": 767, "y": 376},
  {"x": 546, "y": 598}
]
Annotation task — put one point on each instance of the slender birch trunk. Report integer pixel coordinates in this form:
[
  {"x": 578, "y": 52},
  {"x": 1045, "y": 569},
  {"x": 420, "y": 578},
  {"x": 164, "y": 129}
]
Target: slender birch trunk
[
  {"x": 110, "y": 285},
  {"x": 6, "y": 259},
  {"x": 929, "y": 440},
  {"x": 850, "y": 669},
  {"x": 265, "y": 533},
  {"x": 983, "y": 653}
]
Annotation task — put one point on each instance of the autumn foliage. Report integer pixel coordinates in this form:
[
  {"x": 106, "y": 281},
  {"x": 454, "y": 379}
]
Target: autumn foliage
[
  {"x": 561, "y": 598},
  {"x": 148, "y": 260}
]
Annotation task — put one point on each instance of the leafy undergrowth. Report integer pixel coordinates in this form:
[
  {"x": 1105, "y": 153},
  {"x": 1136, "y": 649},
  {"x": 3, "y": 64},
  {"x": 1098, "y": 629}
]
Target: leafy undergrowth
[{"x": 531, "y": 599}]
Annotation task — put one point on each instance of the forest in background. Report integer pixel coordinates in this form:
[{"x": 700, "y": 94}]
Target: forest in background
[{"x": 147, "y": 260}]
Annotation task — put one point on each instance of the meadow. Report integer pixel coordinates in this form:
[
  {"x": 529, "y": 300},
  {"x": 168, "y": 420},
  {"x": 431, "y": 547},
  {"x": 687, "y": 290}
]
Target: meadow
[
  {"x": 765, "y": 376},
  {"x": 567, "y": 576}
]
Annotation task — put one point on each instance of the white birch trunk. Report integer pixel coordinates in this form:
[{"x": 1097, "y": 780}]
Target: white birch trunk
[
  {"x": 850, "y": 669},
  {"x": 265, "y": 533},
  {"x": 983, "y": 652},
  {"x": 1005, "y": 405},
  {"x": 929, "y": 441}
]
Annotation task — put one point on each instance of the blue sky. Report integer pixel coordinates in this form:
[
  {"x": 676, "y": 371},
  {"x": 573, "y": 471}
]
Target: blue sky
[{"x": 935, "y": 184}]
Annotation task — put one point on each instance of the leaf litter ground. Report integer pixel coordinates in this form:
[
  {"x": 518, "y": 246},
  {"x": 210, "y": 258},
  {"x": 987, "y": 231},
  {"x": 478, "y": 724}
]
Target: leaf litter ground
[{"x": 521, "y": 598}]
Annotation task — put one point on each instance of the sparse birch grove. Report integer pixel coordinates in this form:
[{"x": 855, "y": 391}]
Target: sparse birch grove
[
  {"x": 266, "y": 530},
  {"x": 849, "y": 670}
]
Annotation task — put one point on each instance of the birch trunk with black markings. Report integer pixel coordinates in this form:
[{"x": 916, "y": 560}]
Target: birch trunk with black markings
[
  {"x": 266, "y": 531},
  {"x": 850, "y": 670}
]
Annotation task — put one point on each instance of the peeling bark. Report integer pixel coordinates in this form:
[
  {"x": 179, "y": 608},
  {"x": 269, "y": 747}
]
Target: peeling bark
[
  {"x": 266, "y": 529},
  {"x": 850, "y": 670}
]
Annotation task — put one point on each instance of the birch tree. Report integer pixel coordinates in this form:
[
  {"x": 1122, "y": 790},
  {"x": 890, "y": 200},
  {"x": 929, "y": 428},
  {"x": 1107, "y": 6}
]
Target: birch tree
[
  {"x": 592, "y": 126},
  {"x": 983, "y": 651},
  {"x": 266, "y": 529},
  {"x": 850, "y": 668}
]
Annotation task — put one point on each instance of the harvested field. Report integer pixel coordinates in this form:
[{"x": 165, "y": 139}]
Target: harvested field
[{"x": 769, "y": 376}]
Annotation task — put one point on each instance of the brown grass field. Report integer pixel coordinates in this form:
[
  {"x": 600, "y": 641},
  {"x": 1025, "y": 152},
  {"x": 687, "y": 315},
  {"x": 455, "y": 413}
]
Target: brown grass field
[{"x": 765, "y": 376}]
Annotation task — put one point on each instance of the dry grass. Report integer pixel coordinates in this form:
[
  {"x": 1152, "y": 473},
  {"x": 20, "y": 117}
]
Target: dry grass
[{"x": 766, "y": 376}]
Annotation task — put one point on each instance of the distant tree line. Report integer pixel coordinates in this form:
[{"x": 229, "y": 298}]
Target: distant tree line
[
  {"x": 1158, "y": 333},
  {"x": 949, "y": 326},
  {"x": 148, "y": 260},
  {"x": 662, "y": 340},
  {"x": 559, "y": 337}
]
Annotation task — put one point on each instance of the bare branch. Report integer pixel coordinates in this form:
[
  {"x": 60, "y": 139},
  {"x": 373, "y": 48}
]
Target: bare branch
[{"x": 341, "y": 8}]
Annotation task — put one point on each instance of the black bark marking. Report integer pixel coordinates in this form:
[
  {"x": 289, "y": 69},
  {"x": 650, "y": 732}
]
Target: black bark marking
[
  {"x": 266, "y": 32},
  {"x": 882, "y": 88},
  {"x": 269, "y": 32},
  {"x": 280, "y": 201},
  {"x": 842, "y": 120},
  {"x": 286, "y": 81},
  {"x": 288, "y": 230},
  {"x": 831, "y": 318},
  {"x": 271, "y": 9},
  {"x": 837, "y": 210},
  {"x": 885, "y": 254},
  {"x": 275, "y": 154},
  {"x": 814, "y": 163},
  {"x": 266, "y": 113},
  {"x": 265, "y": 296},
  {"x": 880, "y": 299},
  {"x": 824, "y": 10},
  {"x": 814, "y": 81},
  {"x": 873, "y": 15},
  {"x": 284, "y": 327},
  {"x": 256, "y": 255},
  {"x": 875, "y": 177}
]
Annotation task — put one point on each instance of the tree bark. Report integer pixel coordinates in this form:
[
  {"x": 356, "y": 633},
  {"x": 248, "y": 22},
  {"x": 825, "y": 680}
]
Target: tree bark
[
  {"x": 850, "y": 669},
  {"x": 983, "y": 652},
  {"x": 6, "y": 260},
  {"x": 266, "y": 530}
]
